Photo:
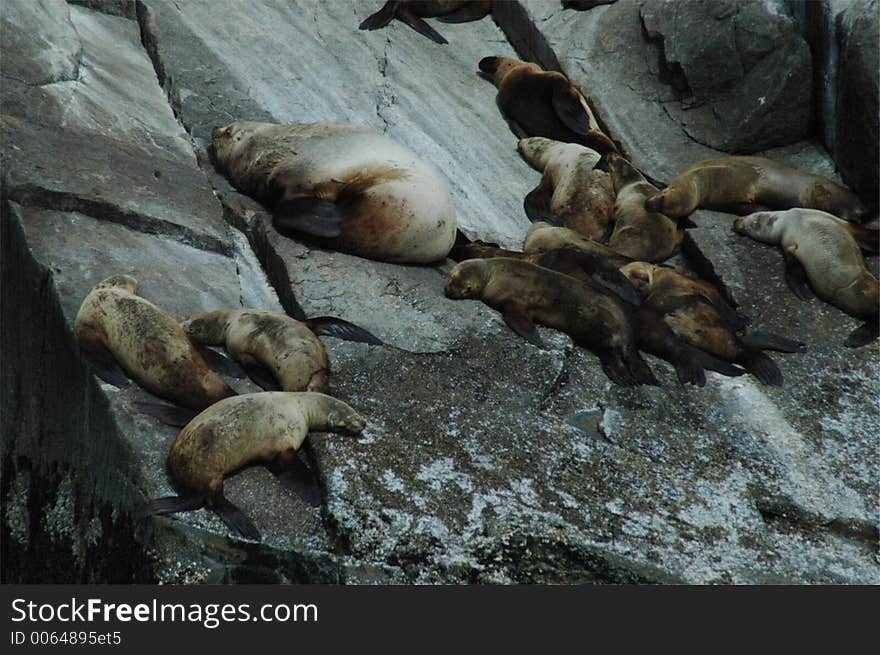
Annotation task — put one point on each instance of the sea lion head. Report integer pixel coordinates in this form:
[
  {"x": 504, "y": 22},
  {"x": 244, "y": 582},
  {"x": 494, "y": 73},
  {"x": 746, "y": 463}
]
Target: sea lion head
[
  {"x": 227, "y": 139},
  {"x": 497, "y": 68},
  {"x": 535, "y": 149},
  {"x": 342, "y": 418},
  {"x": 641, "y": 275},
  {"x": 467, "y": 279},
  {"x": 207, "y": 328},
  {"x": 126, "y": 282},
  {"x": 622, "y": 172},
  {"x": 762, "y": 226}
]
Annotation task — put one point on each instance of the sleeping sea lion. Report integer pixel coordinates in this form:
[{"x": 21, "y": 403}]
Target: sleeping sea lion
[
  {"x": 543, "y": 237},
  {"x": 118, "y": 329},
  {"x": 543, "y": 103},
  {"x": 821, "y": 252},
  {"x": 571, "y": 188},
  {"x": 350, "y": 186},
  {"x": 257, "y": 427},
  {"x": 526, "y": 294},
  {"x": 412, "y": 12},
  {"x": 742, "y": 185}
]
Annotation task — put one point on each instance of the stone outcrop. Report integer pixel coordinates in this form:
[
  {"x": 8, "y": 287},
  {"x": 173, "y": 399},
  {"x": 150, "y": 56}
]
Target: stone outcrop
[{"x": 484, "y": 459}]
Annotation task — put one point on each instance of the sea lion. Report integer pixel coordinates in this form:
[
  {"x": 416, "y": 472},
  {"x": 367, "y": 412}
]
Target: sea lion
[
  {"x": 289, "y": 348},
  {"x": 526, "y": 294},
  {"x": 543, "y": 237},
  {"x": 571, "y": 188},
  {"x": 117, "y": 328},
  {"x": 543, "y": 103},
  {"x": 821, "y": 252},
  {"x": 412, "y": 12},
  {"x": 257, "y": 427},
  {"x": 696, "y": 320},
  {"x": 639, "y": 233},
  {"x": 356, "y": 189},
  {"x": 741, "y": 185}
]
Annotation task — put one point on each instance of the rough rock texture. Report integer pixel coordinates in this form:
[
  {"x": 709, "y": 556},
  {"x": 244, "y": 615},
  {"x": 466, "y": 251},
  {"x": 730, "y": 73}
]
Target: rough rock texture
[{"x": 484, "y": 459}]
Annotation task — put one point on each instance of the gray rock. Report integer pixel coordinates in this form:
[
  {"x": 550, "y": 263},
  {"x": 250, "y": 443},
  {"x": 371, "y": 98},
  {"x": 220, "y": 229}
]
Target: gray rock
[{"x": 46, "y": 46}]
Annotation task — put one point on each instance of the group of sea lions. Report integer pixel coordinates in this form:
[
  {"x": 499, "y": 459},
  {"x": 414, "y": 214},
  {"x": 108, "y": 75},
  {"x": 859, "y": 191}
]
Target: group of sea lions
[{"x": 592, "y": 265}]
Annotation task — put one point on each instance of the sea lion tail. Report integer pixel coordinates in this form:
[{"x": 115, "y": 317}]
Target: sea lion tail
[
  {"x": 768, "y": 341},
  {"x": 381, "y": 18},
  {"x": 761, "y": 366}
]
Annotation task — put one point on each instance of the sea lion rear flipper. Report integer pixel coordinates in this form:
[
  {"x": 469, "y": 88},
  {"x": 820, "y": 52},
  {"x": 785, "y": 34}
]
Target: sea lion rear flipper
[
  {"x": 421, "y": 27},
  {"x": 261, "y": 376},
  {"x": 733, "y": 319},
  {"x": 520, "y": 323},
  {"x": 688, "y": 365},
  {"x": 221, "y": 363},
  {"x": 316, "y": 216},
  {"x": 567, "y": 104},
  {"x": 632, "y": 372},
  {"x": 769, "y": 341},
  {"x": 796, "y": 276},
  {"x": 471, "y": 11},
  {"x": 167, "y": 414},
  {"x": 712, "y": 363},
  {"x": 104, "y": 363},
  {"x": 381, "y": 18},
  {"x": 868, "y": 240},
  {"x": 170, "y": 505},
  {"x": 761, "y": 366},
  {"x": 537, "y": 203},
  {"x": 234, "y": 518},
  {"x": 863, "y": 335},
  {"x": 341, "y": 329}
]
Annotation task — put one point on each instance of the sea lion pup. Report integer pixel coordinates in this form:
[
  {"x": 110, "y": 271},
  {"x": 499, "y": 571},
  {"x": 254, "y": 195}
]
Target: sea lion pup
[
  {"x": 695, "y": 320},
  {"x": 639, "y": 233},
  {"x": 290, "y": 349},
  {"x": 543, "y": 237},
  {"x": 412, "y": 12},
  {"x": 820, "y": 252},
  {"x": 741, "y": 185},
  {"x": 526, "y": 294},
  {"x": 118, "y": 329},
  {"x": 543, "y": 103},
  {"x": 257, "y": 427},
  {"x": 358, "y": 190},
  {"x": 571, "y": 188}
]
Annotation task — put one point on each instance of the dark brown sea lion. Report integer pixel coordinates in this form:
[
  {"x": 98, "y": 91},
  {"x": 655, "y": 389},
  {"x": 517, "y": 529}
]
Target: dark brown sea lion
[
  {"x": 544, "y": 103},
  {"x": 257, "y": 427},
  {"x": 290, "y": 349},
  {"x": 821, "y": 252},
  {"x": 117, "y": 328},
  {"x": 412, "y": 12},
  {"x": 572, "y": 189},
  {"x": 742, "y": 185},
  {"x": 638, "y": 233},
  {"x": 696, "y": 320},
  {"x": 358, "y": 190},
  {"x": 526, "y": 294}
]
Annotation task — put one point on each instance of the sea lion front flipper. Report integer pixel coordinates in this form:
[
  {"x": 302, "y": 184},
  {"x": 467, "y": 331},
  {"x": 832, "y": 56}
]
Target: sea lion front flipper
[
  {"x": 519, "y": 322},
  {"x": 261, "y": 375},
  {"x": 381, "y": 18},
  {"x": 769, "y": 341},
  {"x": 421, "y": 26},
  {"x": 471, "y": 11},
  {"x": 221, "y": 363},
  {"x": 537, "y": 203},
  {"x": 796, "y": 276},
  {"x": 104, "y": 363},
  {"x": 567, "y": 104},
  {"x": 618, "y": 284},
  {"x": 234, "y": 518},
  {"x": 309, "y": 214},
  {"x": 863, "y": 335},
  {"x": 167, "y": 414},
  {"x": 341, "y": 329},
  {"x": 761, "y": 366},
  {"x": 170, "y": 505}
]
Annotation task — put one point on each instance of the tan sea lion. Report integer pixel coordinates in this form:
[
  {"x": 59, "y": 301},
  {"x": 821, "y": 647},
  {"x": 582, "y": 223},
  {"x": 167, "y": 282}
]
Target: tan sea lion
[
  {"x": 821, "y": 253},
  {"x": 358, "y": 190},
  {"x": 571, "y": 189},
  {"x": 526, "y": 294},
  {"x": 257, "y": 427},
  {"x": 290, "y": 349},
  {"x": 117, "y": 328},
  {"x": 544, "y": 103},
  {"x": 639, "y": 233},
  {"x": 543, "y": 237},
  {"x": 696, "y": 320},
  {"x": 742, "y": 185},
  {"x": 412, "y": 12}
]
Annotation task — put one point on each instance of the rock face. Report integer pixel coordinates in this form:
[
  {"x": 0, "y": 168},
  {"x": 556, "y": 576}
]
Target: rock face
[{"x": 484, "y": 458}]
